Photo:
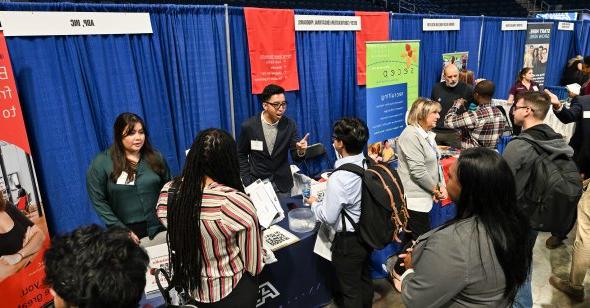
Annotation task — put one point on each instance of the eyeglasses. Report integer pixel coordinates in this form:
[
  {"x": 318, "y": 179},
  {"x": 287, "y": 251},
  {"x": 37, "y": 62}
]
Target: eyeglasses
[
  {"x": 334, "y": 137},
  {"x": 516, "y": 107},
  {"x": 278, "y": 105}
]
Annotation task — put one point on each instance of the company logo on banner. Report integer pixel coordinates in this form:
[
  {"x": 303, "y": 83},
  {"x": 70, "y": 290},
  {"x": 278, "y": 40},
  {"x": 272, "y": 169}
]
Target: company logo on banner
[
  {"x": 536, "y": 49},
  {"x": 441, "y": 24},
  {"x": 327, "y": 23},
  {"x": 21, "y": 283},
  {"x": 374, "y": 27},
  {"x": 392, "y": 86},
  {"x": 271, "y": 45}
]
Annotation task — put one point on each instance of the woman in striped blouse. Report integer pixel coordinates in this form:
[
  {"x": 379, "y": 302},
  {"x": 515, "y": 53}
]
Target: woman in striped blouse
[{"x": 214, "y": 240}]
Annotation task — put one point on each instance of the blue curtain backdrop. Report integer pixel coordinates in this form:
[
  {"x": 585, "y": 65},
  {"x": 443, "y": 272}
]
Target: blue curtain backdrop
[
  {"x": 326, "y": 63},
  {"x": 434, "y": 43},
  {"x": 73, "y": 87}
]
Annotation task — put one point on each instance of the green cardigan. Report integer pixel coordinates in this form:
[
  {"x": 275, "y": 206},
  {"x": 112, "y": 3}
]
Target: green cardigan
[{"x": 125, "y": 204}]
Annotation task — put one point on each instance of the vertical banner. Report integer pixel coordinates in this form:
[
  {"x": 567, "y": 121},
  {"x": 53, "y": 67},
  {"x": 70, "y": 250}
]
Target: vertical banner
[
  {"x": 392, "y": 86},
  {"x": 536, "y": 49},
  {"x": 374, "y": 27},
  {"x": 271, "y": 45},
  {"x": 21, "y": 283}
]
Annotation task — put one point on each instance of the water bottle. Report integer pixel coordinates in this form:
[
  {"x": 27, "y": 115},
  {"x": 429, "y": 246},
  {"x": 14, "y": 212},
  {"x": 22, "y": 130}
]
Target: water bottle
[{"x": 306, "y": 192}]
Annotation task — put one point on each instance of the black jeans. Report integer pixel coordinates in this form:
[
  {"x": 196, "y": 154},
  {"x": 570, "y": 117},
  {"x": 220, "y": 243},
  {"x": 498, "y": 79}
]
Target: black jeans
[
  {"x": 350, "y": 258},
  {"x": 245, "y": 294}
]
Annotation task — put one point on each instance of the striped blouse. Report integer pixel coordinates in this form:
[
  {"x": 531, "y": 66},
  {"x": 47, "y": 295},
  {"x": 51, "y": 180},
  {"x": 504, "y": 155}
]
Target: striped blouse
[{"x": 231, "y": 240}]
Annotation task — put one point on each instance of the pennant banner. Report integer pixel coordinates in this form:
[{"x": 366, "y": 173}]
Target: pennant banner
[
  {"x": 374, "y": 27},
  {"x": 271, "y": 45},
  {"x": 21, "y": 284},
  {"x": 536, "y": 49}
]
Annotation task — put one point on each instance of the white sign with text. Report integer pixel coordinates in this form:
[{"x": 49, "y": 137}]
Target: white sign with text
[
  {"x": 514, "y": 25},
  {"x": 327, "y": 23},
  {"x": 22, "y": 23},
  {"x": 441, "y": 24}
]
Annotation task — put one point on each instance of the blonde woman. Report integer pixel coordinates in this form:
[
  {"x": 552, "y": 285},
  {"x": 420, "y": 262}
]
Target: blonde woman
[{"x": 419, "y": 164}]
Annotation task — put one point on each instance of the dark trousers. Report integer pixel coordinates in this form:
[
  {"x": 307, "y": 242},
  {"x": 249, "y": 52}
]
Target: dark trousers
[
  {"x": 418, "y": 223},
  {"x": 350, "y": 258},
  {"x": 245, "y": 294}
]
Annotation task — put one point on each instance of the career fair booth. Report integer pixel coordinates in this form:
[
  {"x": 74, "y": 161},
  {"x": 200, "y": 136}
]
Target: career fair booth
[{"x": 70, "y": 69}]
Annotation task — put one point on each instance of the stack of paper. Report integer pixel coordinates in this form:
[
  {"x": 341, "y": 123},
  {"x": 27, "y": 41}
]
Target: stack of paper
[{"x": 266, "y": 202}]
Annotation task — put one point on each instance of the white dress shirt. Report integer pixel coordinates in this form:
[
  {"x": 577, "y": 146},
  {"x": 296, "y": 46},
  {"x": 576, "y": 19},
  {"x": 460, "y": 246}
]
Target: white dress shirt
[{"x": 343, "y": 192}]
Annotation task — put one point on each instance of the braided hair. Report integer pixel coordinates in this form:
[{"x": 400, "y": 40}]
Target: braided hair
[{"x": 213, "y": 154}]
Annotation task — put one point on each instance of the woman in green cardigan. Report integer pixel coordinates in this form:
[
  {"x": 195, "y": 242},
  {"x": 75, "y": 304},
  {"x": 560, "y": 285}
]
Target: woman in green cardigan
[{"x": 125, "y": 180}]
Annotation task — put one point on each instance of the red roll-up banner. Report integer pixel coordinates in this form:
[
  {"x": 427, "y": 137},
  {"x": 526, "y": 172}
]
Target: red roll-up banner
[
  {"x": 271, "y": 45},
  {"x": 21, "y": 283},
  {"x": 374, "y": 27}
]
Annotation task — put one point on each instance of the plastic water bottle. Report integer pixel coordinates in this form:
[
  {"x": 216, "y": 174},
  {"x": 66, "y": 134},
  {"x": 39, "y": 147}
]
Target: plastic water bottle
[{"x": 306, "y": 192}]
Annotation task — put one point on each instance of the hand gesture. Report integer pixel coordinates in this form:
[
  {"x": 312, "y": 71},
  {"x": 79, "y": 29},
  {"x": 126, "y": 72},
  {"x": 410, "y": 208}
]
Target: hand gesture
[
  {"x": 554, "y": 100},
  {"x": 302, "y": 144}
]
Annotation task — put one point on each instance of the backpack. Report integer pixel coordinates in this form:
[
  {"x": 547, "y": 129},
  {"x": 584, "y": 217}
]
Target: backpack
[
  {"x": 384, "y": 213},
  {"x": 552, "y": 193}
]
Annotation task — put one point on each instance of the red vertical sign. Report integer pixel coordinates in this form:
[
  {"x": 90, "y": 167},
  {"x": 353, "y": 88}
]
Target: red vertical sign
[
  {"x": 374, "y": 27},
  {"x": 21, "y": 284},
  {"x": 271, "y": 45}
]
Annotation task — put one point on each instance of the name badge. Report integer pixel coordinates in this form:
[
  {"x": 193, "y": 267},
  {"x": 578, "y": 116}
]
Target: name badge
[
  {"x": 586, "y": 114},
  {"x": 256, "y": 145},
  {"x": 122, "y": 180},
  {"x": 535, "y": 88}
]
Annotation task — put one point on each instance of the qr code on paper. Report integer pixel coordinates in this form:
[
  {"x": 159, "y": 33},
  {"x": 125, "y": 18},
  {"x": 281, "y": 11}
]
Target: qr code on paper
[{"x": 275, "y": 238}]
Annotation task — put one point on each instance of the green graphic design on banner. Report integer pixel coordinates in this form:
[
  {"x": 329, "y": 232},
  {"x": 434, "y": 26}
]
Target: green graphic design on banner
[
  {"x": 394, "y": 62},
  {"x": 392, "y": 86}
]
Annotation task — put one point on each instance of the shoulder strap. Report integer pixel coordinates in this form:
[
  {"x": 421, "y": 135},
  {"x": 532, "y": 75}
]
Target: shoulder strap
[
  {"x": 533, "y": 143},
  {"x": 350, "y": 167}
]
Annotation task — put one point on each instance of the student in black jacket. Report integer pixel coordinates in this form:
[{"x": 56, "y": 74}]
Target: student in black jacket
[
  {"x": 578, "y": 112},
  {"x": 266, "y": 139}
]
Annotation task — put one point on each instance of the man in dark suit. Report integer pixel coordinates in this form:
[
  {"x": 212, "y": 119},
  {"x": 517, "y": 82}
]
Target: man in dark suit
[
  {"x": 578, "y": 112},
  {"x": 265, "y": 141}
]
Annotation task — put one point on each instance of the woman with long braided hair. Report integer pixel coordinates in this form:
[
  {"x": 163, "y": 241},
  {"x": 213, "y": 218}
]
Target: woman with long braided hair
[{"x": 214, "y": 238}]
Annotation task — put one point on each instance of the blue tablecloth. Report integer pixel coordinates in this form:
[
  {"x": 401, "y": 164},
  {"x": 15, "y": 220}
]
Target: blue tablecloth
[{"x": 300, "y": 278}]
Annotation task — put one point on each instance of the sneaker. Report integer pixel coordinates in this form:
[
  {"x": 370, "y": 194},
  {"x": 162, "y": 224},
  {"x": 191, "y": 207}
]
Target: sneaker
[
  {"x": 575, "y": 293},
  {"x": 553, "y": 242}
]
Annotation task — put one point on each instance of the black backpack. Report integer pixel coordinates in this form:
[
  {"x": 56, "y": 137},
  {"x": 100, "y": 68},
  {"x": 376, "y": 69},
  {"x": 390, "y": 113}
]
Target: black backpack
[
  {"x": 383, "y": 208},
  {"x": 552, "y": 193}
]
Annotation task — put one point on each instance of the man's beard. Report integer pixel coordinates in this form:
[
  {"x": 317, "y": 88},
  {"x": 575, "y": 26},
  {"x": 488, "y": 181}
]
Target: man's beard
[{"x": 451, "y": 85}]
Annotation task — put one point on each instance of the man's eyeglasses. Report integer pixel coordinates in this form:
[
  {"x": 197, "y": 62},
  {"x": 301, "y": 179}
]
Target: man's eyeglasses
[
  {"x": 334, "y": 137},
  {"x": 278, "y": 105},
  {"x": 516, "y": 107}
]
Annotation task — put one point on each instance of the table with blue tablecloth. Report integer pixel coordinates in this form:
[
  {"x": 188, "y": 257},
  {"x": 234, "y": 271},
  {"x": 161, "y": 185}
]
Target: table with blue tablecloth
[{"x": 300, "y": 278}]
